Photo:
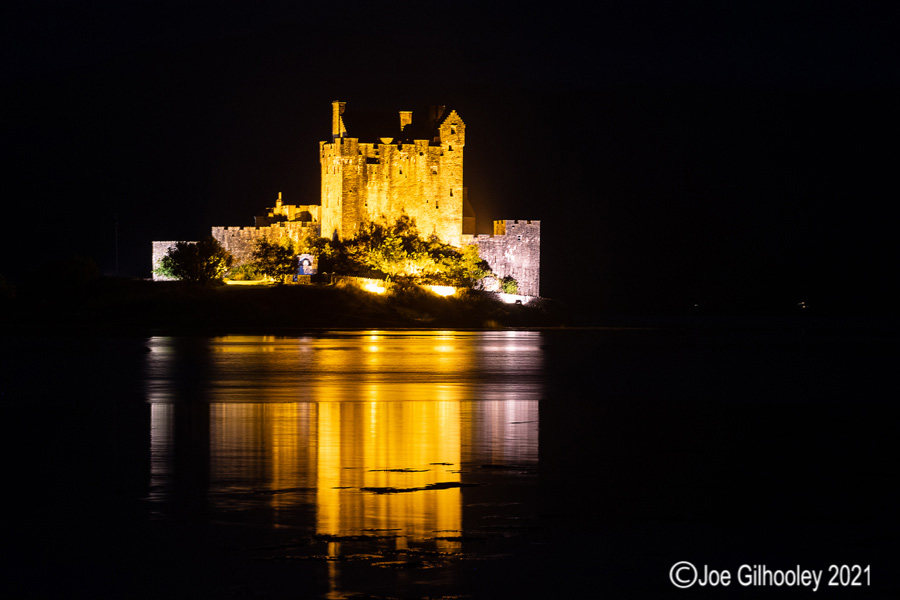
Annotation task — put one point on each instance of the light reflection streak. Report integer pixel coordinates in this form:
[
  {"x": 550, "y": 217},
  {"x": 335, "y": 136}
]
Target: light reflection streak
[{"x": 327, "y": 426}]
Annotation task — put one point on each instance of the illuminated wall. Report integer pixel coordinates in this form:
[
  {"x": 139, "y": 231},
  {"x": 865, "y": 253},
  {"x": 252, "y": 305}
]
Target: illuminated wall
[
  {"x": 241, "y": 241},
  {"x": 160, "y": 249},
  {"x": 422, "y": 178},
  {"x": 514, "y": 250}
]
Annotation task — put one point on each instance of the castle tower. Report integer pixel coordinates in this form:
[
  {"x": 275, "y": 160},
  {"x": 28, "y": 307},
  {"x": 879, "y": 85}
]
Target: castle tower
[{"x": 420, "y": 175}]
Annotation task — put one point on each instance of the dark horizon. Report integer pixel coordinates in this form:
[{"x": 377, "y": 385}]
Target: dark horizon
[{"x": 740, "y": 162}]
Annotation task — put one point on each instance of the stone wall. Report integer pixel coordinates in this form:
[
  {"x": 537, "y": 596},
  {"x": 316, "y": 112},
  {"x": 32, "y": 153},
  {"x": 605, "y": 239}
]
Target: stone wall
[
  {"x": 160, "y": 249},
  {"x": 371, "y": 181},
  {"x": 287, "y": 212},
  {"x": 366, "y": 181},
  {"x": 513, "y": 250},
  {"x": 241, "y": 241}
]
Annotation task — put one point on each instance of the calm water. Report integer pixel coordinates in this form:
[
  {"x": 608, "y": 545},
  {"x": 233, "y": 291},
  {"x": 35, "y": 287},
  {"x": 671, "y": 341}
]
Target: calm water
[
  {"x": 414, "y": 464},
  {"x": 360, "y": 443}
]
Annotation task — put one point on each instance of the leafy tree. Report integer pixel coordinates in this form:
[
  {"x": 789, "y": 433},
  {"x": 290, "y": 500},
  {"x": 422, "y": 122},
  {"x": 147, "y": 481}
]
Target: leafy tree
[
  {"x": 509, "y": 285},
  {"x": 470, "y": 268},
  {"x": 398, "y": 252},
  {"x": 245, "y": 272},
  {"x": 274, "y": 259},
  {"x": 196, "y": 262}
]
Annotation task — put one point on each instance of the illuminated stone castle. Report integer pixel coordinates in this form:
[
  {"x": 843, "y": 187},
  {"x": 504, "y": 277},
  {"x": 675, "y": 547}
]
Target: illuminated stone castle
[
  {"x": 414, "y": 167},
  {"x": 417, "y": 171}
]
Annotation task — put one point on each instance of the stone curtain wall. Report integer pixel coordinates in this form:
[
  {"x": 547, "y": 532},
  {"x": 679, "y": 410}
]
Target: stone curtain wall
[
  {"x": 515, "y": 250},
  {"x": 385, "y": 179},
  {"x": 241, "y": 241},
  {"x": 160, "y": 249}
]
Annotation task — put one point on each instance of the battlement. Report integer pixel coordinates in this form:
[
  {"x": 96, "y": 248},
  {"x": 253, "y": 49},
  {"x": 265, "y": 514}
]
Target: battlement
[
  {"x": 417, "y": 171},
  {"x": 241, "y": 241},
  {"x": 287, "y": 212},
  {"x": 402, "y": 165}
]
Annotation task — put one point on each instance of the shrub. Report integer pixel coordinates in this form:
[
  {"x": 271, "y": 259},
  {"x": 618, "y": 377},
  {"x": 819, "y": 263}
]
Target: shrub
[
  {"x": 509, "y": 285},
  {"x": 196, "y": 262}
]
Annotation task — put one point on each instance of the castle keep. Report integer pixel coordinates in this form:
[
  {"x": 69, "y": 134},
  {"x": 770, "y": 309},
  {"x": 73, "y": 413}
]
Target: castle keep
[
  {"x": 416, "y": 170},
  {"x": 414, "y": 167}
]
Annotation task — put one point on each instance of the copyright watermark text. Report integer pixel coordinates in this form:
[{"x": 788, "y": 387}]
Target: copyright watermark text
[{"x": 685, "y": 574}]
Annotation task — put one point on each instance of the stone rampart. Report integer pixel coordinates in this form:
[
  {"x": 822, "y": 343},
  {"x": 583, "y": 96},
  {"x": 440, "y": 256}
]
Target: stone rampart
[
  {"x": 241, "y": 241},
  {"x": 513, "y": 250},
  {"x": 160, "y": 249}
]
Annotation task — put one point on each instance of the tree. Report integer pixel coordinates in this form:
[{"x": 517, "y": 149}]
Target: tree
[
  {"x": 398, "y": 252},
  {"x": 275, "y": 260},
  {"x": 196, "y": 262}
]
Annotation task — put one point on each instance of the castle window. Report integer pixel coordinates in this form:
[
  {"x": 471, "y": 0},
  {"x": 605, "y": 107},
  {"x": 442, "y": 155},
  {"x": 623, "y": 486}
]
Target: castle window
[
  {"x": 453, "y": 129},
  {"x": 437, "y": 204},
  {"x": 434, "y": 170},
  {"x": 519, "y": 238},
  {"x": 451, "y": 192}
]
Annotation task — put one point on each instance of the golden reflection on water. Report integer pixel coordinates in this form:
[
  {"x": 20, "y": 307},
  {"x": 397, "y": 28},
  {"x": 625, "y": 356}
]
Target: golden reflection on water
[
  {"x": 369, "y": 431},
  {"x": 391, "y": 452}
]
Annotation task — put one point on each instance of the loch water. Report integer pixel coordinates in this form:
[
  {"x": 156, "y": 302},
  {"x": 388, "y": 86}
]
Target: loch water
[{"x": 428, "y": 464}]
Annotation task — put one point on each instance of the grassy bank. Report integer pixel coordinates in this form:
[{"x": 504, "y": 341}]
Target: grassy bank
[{"x": 109, "y": 305}]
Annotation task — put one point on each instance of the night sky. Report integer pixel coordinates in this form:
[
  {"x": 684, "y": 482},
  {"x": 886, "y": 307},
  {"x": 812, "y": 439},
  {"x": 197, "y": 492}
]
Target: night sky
[{"x": 736, "y": 156}]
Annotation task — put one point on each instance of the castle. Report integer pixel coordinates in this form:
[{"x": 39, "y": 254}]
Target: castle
[{"x": 415, "y": 168}]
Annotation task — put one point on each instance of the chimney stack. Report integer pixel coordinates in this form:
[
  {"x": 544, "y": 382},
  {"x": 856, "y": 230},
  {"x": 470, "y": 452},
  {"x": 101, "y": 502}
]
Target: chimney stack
[
  {"x": 337, "y": 123},
  {"x": 405, "y": 119}
]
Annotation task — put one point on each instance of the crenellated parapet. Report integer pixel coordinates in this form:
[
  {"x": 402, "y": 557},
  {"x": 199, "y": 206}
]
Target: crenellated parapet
[
  {"x": 421, "y": 177},
  {"x": 241, "y": 241},
  {"x": 288, "y": 212},
  {"x": 413, "y": 168}
]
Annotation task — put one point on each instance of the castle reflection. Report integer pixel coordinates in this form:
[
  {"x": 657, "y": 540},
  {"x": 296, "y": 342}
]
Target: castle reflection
[{"x": 344, "y": 434}]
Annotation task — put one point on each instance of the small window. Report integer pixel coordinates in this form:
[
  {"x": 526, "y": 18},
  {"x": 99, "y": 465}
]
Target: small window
[
  {"x": 451, "y": 192},
  {"x": 519, "y": 238},
  {"x": 434, "y": 170}
]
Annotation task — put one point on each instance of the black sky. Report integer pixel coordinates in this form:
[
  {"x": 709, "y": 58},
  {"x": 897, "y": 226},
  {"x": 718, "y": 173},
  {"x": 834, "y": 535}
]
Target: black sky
[{"x": 739, "y": 156}]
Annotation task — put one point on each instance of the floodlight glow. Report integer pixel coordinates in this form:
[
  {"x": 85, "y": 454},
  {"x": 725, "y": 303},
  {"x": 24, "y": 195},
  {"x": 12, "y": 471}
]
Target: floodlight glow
[{"x": 442, "y": 290}]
